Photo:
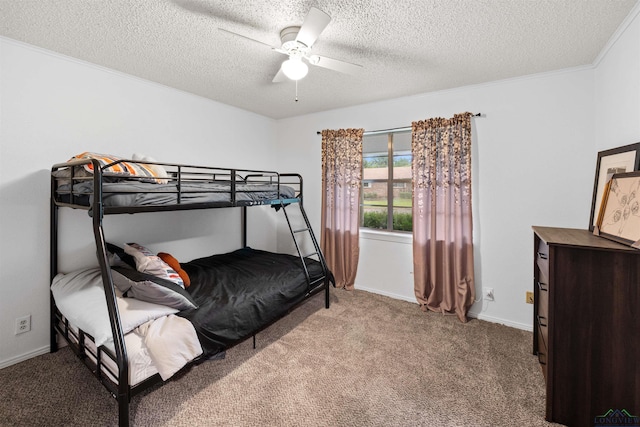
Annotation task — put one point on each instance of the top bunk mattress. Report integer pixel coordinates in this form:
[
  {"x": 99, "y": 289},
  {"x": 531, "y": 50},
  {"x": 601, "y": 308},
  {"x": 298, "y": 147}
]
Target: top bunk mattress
[
  {"x": 135, "y": 194},
  {"x": 127, "y": 186}
]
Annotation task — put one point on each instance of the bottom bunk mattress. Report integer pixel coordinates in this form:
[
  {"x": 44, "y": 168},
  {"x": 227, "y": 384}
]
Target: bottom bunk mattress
[{"x": 241, "y": 292}]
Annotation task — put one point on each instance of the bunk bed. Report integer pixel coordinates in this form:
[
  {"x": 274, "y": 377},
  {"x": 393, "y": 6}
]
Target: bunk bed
[{"x": 230, "y": 296}]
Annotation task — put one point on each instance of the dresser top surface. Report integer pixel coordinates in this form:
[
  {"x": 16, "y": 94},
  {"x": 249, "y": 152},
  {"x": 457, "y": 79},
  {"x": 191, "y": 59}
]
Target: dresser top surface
[{"x": 579, "y": 238}]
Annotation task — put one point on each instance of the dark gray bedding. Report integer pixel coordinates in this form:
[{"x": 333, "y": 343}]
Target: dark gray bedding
[
  {"x": 148, "y": 194},
  {"x": 241, "y": 292}
]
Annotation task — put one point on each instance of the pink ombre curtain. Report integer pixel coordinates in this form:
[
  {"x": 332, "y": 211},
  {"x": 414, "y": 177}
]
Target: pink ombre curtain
[
  {"x": 442, "y": 223},
  {"x": 341, "y": 181}
]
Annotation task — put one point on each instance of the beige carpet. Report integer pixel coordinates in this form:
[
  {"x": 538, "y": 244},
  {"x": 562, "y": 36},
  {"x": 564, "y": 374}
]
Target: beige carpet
[{"x": 367, "y": 361}]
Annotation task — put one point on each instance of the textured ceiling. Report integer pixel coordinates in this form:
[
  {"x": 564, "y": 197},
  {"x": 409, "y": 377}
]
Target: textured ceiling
[{"x": 405, "y": 47}]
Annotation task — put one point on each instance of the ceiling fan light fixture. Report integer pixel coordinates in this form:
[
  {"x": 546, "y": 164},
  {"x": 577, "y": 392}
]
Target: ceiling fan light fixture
[{"x": 294, "y": 68}]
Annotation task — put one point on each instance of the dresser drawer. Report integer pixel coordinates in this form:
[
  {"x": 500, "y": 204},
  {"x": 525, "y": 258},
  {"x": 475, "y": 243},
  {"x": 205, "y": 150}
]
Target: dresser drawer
[
  {"x": 542, "y": 351},
  {"x": 542, "y": 263},
  {"x": 543, "y": 299},
  {"x": 543, "y": 333}
]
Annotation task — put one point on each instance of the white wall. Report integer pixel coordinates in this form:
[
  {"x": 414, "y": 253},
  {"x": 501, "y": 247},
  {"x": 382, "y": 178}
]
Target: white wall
[
  {"x": 617, "y": 88},
  {"x": 535, "y": 150},
  {"x": 53, "y": 107},
  {"x": 534, "y": 159},
  {"x": 533, "y": 165}
]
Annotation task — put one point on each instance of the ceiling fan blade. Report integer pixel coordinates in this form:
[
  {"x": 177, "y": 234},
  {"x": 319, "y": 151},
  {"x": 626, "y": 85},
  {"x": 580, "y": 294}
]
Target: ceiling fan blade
[
  {"x": 335, "y": 64},
  {"x": 280, "y": 77},
  {"x": 248, "y": 38},
  {"x": 315, "y": 22}
]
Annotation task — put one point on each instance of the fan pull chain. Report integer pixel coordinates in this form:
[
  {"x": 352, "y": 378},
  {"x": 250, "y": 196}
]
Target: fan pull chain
[{"x": 296, "y": 91}]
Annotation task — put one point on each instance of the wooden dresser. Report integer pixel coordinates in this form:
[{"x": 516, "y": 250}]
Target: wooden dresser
[{"x": 586, "y": 324}]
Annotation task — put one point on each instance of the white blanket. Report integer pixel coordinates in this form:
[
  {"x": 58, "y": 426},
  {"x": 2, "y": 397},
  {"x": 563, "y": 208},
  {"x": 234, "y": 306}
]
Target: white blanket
[
  {"x": 172, "y": 342},
  {"x": 169, "y": 340}
]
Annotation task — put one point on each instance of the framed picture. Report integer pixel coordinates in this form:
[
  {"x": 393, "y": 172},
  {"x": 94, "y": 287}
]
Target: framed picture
[
  {"x": 616, "y": 160},
  {"x": 619, "y": 216}
]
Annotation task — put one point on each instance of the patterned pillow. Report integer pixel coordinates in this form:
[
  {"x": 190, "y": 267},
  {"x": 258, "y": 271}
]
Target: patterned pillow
[
  {"x": 158, "y": 170},
  {"x": 147, "y": 262},
  {"x": 149, "y": 173},
  {"x": 173, "y": 263}
]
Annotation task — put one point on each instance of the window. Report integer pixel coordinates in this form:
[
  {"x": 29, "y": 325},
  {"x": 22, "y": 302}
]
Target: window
[{"x": 386, "y": 195}]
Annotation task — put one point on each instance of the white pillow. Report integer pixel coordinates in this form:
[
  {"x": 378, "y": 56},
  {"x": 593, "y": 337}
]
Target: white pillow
[
  {"x": 147, "y": 287},
  {"x": 80, "y": 297}
]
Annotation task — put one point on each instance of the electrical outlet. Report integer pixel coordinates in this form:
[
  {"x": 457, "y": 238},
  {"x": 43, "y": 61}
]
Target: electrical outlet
[
  {"x": 487, "y": 293},
  {"x": 23, "y": 324},
  {"x": 529, "y": 297}
]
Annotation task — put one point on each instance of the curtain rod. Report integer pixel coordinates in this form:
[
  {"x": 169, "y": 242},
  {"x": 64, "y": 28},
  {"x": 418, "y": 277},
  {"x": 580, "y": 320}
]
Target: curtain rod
[{"x": 404, "y": 129}]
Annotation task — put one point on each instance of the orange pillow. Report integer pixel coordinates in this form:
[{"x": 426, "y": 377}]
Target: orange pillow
[{"x": 173, "y": 263}]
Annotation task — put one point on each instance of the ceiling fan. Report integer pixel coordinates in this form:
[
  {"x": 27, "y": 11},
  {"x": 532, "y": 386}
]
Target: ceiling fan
[{"x": 297, "y": 43}]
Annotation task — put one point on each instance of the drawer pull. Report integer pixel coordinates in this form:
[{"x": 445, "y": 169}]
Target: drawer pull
[
  {"x": 542, "y": 356},
  {"x": 542, "y": 321},
  {"x": 542, "y": 255},
  {"x": 542, "y": 286}
]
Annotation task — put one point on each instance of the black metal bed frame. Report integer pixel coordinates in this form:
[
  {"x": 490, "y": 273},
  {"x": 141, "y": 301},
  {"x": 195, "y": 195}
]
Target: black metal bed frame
[{"x": 118, "y": 382}]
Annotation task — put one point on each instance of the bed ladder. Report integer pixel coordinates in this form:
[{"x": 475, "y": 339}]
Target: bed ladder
[{"x": 317, "y": 252}]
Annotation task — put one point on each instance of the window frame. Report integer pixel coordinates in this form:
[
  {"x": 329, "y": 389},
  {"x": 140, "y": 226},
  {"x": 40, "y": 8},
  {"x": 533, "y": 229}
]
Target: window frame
[{"x": 390, "y": 181}]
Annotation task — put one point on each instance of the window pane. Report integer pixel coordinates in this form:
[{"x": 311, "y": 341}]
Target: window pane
[
  {"x": 402, "y": 156},
  {"x": 402, "y": 206},
  {"x": 375, "y": 167},
  {"x": 402, "y": 219},
  {"x": 374, "y": 193},
  {"x": 402, "y": 194},
  {"x": 402, "y": 142},
  {"x": 375, "y": 157},
  {"x": 374, "y": 217}
]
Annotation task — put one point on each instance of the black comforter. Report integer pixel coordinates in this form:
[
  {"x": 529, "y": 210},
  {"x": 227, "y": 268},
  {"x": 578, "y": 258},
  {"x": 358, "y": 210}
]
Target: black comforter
[{"x": 241, "y": 292}]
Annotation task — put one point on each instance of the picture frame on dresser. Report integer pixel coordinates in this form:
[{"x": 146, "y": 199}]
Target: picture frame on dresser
[
  {"x": 619, "y": 216},
  {"x": 614, "y": 160}
]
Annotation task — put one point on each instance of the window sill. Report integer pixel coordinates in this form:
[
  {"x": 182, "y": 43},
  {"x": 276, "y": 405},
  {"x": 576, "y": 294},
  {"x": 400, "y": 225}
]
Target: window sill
[{"x": 386, "y": 236}]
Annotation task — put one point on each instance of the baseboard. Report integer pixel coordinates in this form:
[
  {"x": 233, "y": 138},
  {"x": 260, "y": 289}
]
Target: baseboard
[
  {"x": 21, "y": 358},
  {"x": 387, "y": 294},
  {"x": 501, "y": 321},
  {"x": 478, "y": 316}
]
